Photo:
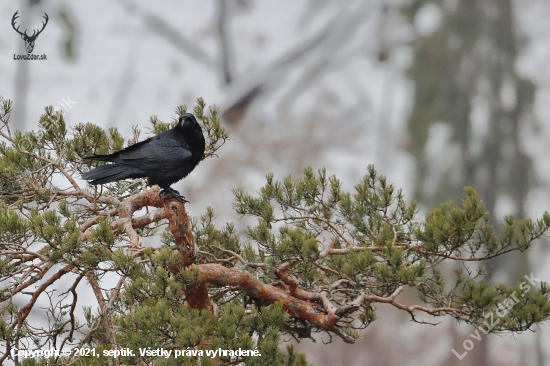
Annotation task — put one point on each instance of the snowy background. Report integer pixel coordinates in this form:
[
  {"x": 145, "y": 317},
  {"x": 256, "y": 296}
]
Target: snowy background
[{"x": 310, "y": 82}]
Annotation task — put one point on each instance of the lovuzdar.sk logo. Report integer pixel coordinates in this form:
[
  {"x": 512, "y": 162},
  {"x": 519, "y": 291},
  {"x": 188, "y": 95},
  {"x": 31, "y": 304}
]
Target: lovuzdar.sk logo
[{"x": 29, "y": 40}]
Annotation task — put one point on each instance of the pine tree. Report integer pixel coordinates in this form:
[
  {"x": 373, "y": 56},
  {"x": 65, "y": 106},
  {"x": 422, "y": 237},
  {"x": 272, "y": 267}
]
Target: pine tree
[{"x": 316, "y": 260}]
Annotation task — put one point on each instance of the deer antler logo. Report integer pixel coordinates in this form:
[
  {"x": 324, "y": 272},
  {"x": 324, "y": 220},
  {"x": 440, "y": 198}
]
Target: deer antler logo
[{"x": 29, "y": 40}]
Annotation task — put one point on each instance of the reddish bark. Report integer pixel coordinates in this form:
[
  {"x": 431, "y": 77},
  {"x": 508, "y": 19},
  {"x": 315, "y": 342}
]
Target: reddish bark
[
  {"x": 197, "y": 298},
  {"x": 181, "y": 230},
  {"x": 220, "y": 275}
]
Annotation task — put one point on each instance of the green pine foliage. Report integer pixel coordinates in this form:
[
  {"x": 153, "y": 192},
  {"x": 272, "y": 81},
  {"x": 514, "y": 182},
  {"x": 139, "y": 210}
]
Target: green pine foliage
[{"x": 345, "y": 252}]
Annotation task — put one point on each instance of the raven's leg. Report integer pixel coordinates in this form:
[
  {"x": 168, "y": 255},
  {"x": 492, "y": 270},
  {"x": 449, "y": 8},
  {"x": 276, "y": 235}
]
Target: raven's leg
[{"x": 172, "y": 193}]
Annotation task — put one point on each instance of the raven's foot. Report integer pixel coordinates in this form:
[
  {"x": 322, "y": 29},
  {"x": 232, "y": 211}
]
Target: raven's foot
[{"x": 168, "y": 193}]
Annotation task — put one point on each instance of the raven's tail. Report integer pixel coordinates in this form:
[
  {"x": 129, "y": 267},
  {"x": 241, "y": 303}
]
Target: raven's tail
[
  {"x": 99, "y": 157},
  {"x": 110, "y": 173}
]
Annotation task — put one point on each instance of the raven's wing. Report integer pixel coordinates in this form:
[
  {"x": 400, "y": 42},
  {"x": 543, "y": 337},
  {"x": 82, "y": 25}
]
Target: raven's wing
[
  {"x": 112, "y": 157},
  {"x": 155, "y": 154}
]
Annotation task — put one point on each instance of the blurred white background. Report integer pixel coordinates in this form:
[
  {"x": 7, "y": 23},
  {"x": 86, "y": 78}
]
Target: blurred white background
[{"x": 437, "y": 94}]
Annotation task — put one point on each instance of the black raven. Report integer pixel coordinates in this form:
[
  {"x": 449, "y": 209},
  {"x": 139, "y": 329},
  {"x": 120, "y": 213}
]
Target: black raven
[{"x": 164, "y": 159}]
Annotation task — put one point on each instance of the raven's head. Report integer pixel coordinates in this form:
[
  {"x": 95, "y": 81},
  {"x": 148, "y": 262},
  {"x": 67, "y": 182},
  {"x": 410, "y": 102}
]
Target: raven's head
[
  {"x": 192, "y": 132},
  {"x": 187, "y": 120}
]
